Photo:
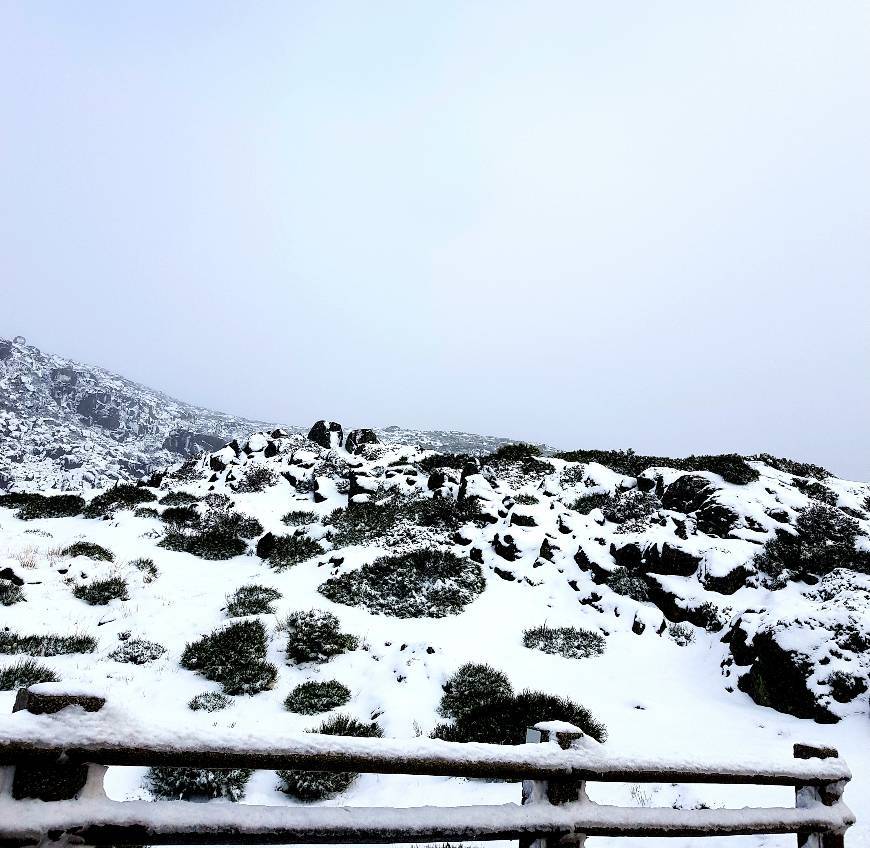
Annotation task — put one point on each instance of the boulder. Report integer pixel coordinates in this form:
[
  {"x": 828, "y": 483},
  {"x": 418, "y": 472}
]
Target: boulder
[
  {"x": 327, "y": 434},
  {"x": 189, "y": 444},
  {"x": 687, "y": 493},
  {"x": 506, "y": 548},
  {"x": 716, "y": 519},
  {"x": 98, "y": 408},
  {"x": 358, "y": 439},
  {"x": 669, "y": 559},
  {"x": 628, "y": 555}
]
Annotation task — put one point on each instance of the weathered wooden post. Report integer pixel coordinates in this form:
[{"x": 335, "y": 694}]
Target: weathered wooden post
[
  {"x": 808, "y": 796},
  {"x": 55, "y": 782},
  {"x": 553, "y": 791}
]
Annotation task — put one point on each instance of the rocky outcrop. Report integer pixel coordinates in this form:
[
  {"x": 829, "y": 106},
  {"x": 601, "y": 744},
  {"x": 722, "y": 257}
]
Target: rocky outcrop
[
  {"x": 358, "y": 439},
  {"x": 188, "y": 444},
  {"x": 327, "y": 434}
]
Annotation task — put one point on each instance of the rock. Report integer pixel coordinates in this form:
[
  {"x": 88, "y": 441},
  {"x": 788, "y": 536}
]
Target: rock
[
  {"x": 265, "y": 545},
  {"x": 716, "y": 519},
  {"x": 327, "y": 434},
  {"x": 637, "y": 626},
  {"x": 687, "y": 493},
  {"x": 628, "y": 555},
  {"x": 11, "y": 576},
  {"x": 505, "y": 575},
  {"x": 188, "y": 444},
  {"x": 436, "y": 480},
  {"x": 358, "y": 439},
  {"x": 728, "y": 584},
  {"x": 548, "y": 550},
  {"x": 669, "y": 559},
  {"x": 215, "y": 463},
  {"x": 506, "y": 549},
  {"x": 97, "y": 408},
  {"x": 523, "y": 520},
  {"x": 63, "y": 380},
  {"x": 5, "y": 350},
  {"x": 271, "y": 450}
]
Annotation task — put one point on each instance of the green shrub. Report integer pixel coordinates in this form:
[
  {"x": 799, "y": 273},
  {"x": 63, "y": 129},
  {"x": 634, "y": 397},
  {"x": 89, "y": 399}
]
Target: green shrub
[
  {"x": 632, "y": 509},
  {"x": 624, "y": 582},
  {"x": 420, "y": 583},
  {"x": 100, "y": 592},
  {"x": 595, "y": 500},
  {"x": 122, "y": 496},
  {"x": 682, "y": 634},
  {"x": 218, "y": 536},
  {"x": 49, "y": 645},
  {"x": 147, "y": 567},
  {"x": 317, "y": 696},
  {"x": 88, "y": 549},
  {"x": 185, "y": 783},
  {"x": 256, "y": 479},
  {"x": 707, "y": 615},
  {"x": 815, "y": 490},
  {"x": 517, "y": 452},
  {"x": 361, "y": 523},
  {"x": 209, "y": 702},
  {"x": 10, "y": 594},
  {"x": 31, "y": 506},
  {"x": 146, "y": 512},
  {"x": 137, "y": 652},
  {"x": 233, "y": 656},
  {"x": 181, "y": 517},
  {"x": 315, "y": 636},
  {"x": 288, "y": 551},
  {"x": 846, "y": 687},
  {"x": 570, "y": 642},
  {"x": 435, "y": 461},
  {"x": 318, "y": 785},
  {"x": 526, "y": 499},
  {"x": 178, "y": 499},
  {"x": 251, "y": 599},
  {"x": 25, "y": 673},
  {"x": 483, "y": 708},
  {"x": 442, "y": 513},
  {"x": 300, "y": 517},
  {"x": 789, "y": 466}
]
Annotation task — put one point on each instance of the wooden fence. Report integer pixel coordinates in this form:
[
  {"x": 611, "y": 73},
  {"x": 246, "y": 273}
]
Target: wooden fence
[{"x": 52, "y": 765}]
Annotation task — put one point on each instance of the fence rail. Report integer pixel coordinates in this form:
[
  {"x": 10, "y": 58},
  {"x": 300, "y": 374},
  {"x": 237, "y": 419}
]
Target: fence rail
[{"x": 40, "y": 744}]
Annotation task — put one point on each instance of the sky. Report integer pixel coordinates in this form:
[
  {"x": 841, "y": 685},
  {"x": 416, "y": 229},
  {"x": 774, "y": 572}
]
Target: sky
[{"x": 627, "y": 224}]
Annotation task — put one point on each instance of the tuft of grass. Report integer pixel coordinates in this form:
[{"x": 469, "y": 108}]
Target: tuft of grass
[
  {"x": 315, "y": 636},
  {"x": 48, "y": 645},
  {"x": 25, "y": 673},
  {"x": 100, "y": 592},
  {"x": 317, "y": 696},
  {"x": 570, "y": 642},
  {"x": 147, "y": 567},
  {"x": 137, "y": 652},
  {"x": 209, "y": 702},
  {"x": 299, "y": 517},
  {"x": 10, "y": 594},
  {"x": 88, "y": 549},
  {"x": 251, "y": 599}
]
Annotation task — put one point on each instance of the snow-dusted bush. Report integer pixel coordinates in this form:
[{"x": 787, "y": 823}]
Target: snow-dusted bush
[
  {"x": 251, "y": 599},
  {"x": 48, "y": 645},
  {"x": 288, "y": 551},
  {"x": 100, "y": 592},
  {"x": 234, "y": 656},
  {"x": 147, "y": 567},
  {"x": 632, "y": 509},
  {"x": 318, "y": 785},
  {"x": 299, "y": 517},
  {"x": 790, "y": 466},
  {"x": 185, "y": 783},
  {"x": 682, "y": 634},
  {"x": 420, "y": 583},
  {"x": 445, "y": 460},
  {"x": 707, "y": 615},
  {"x": 220, "y": 533},
  {"x": 624, "y": 582},
  {"x": 10, "y": 593},
  {"x": 146, "y": 512},
  {"x": 137, "y": 652},
  {"x": 483, "y": 708},
  {"x": 315, "y": 636},
  {"x": 815, "y": 490},
  {"x": 31, "y": 506},
  {"x": 846, "y": 687},
  {"x": 595, "y": 500},
  {"x": 569, "y": 642},
  {"x": 256, "y": 479},
  {"x": 210, "y": 702},
  {"x": 178, "y": 499},
  {"x": 88, "y": 549},
  {"x": 363, "y": 522},
  {"x": 25, "y": 673},
  {"x": 526, "y": 499},
  {"x": 443, "y": 513},
  {"x": 317, "y": 696},
  {"x": 122, "y": 496},
  {"x": 179, "y": 518}
]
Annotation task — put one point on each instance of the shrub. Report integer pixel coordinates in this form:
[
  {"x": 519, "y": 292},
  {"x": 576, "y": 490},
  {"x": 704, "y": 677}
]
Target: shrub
[
  {"x": 443, "y": 513},
  {"x": 526, "y": 499},
  {"x": 147, "y": 567},
  {"x": 88, "y": 549},
  {"x": 100, "y": 592},
  {"x": 31, "y": 506},
  {"x": 220, "y": 533},
  {"x": 318, "y": 785},
  {"x": 49, "y": 645},
  {"x": 251, "y": 599},
  {"x": 25, "y": 673},
  {"x": 815, "y": 490},
  {"x": 146, "y": 512},
  {"x": 299, "y": 517},
  {"x": 623, "y": 582},
  {"x": 233, "y": 656},
  {"x": 706, "y": 615},
  {"x": 363, "y": 522},
  {"x": 445, "y": 460},
  {"x": 181, "y": 517},
  {"x": 178, "y": 499},
  {"x": 256, "y": 479},
  {"x": 315, "y": 636},
  {"x": 517, "y": 452},
  {"x": 846, "y": 687},
  {"x": 595, "y": 500},
  {"x": 682, "y": 634},
  {"x": 209, "y": 702},
  {"x": 288, "y": 551},
  {"x": 10, "y": 594},
  {"x": 789, "y": 466},
  {"x": 631, "y": 509},
  {"x": 484, "y": 708},
  {"x": 420, "y": 583},
  {"x": 316, "y": 696},
  {"x": 570, "y": 642},
  {"x": 137, "y": 652},
  {"x": 122, "y": 496},
  {"x": 206, "y": 545},
  {"x": 185, "y": 783}
]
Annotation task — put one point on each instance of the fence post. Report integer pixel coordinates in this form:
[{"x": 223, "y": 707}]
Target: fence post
[
  {"x": 807, "y": 796},
  {"x": 553, "y": 791},
  {"x": 55, "y": 782}
]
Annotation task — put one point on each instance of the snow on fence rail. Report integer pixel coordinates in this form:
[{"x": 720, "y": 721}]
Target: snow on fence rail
[{"x": 61, "y": 757}]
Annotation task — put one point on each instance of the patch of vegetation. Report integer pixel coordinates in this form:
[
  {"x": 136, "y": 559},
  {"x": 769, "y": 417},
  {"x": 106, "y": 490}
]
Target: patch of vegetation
[
  {"x": 441, "y": 513},
  {"x": 632, "y": 509},
  {"x": 88, "y": 549},
  {"x": 732, "y": 467},
  {"x": 361, "y": 523},
  {"x": 846, "y": 687},
  {"x": 445, "y": 460},
  {"x": 315, "y": 636},
  {"x": 300, "y": 517},
  {"x": 234, "y": 656},
  {"x": 186, "y": 783},
  {"x": 219, "y": 535},
  {"x": 318, "y": 785},
  {"x": 100, "y": 592},
  {"x": 146, "y": 512},
  {"x": 483, "y": 708},
  {"x": 210, "y": 702},
  {"x": 420, "y": 583},
  {"x": 570, "y": 642},
  {"x": 317, "y": 696},
  {"x": 256, "y": 479},
  {"x": 815, "y": 490},
  {"x": 180, "y": 518},
  {"x": 49, "y": 645},
  {"x": 706, "y": 615},
  {"x": 527, "y": 456},
  {"x": 178, "y": 499},
  {"x": 147, "y": 567},
  {"x": 31, "y": 506},
  {"x": 624, "y": 582},
  {"x": 137, "y": 652},
  {"x": 789, "y": 466},
  {"x": 288, "y": 551},
  {"x": 25, "y": 673},
  {"x": 682, "y": 634},
  {"x": 526, "y": 499},
  {"x": 251, "y": 599},
  {"x": 122, "y": 496},
  {"x": 594, "y": 500},
  {"x": 10, "y": 594}
]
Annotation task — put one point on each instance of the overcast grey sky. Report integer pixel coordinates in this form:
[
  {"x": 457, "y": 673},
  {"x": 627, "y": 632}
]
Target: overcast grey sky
[{"x": 600, "y": 224}]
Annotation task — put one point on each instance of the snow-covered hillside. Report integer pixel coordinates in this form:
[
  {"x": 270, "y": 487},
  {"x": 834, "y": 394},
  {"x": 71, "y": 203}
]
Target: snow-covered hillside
[{"x": 710, "y": 605}]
